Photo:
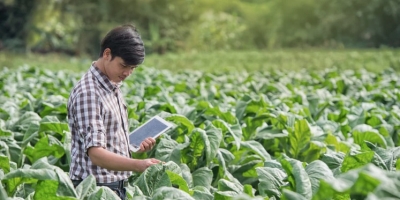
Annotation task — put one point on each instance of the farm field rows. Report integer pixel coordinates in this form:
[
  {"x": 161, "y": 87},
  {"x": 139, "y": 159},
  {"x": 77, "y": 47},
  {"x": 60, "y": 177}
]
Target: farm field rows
[
  {"x": 220, "y": 62},
  {"x": 327, "y": 134}
]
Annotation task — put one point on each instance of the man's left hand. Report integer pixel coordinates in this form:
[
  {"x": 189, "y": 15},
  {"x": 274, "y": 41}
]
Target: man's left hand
[{"x": 147, "y": 144}]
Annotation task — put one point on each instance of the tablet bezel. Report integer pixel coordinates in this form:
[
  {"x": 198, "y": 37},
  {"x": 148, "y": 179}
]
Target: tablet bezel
[{"x": 158, "y": 118}]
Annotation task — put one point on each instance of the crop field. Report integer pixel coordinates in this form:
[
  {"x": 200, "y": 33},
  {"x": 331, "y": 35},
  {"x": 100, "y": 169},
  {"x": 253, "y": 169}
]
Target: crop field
[
  {"x": 267, "y": 134},
  {"x": 220, "y": 62}
]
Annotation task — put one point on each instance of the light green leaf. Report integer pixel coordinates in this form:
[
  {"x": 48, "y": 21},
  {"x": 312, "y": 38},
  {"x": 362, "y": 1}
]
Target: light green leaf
[
  {"x": 47, "y": 145},
  {"x": 170, "y": 150},
  {"x": 170, "y": 193},
  {"x": 214, "y": 137},
  {"x": 234, "y": 131},
  {"x": 86, "y": 187},
  {"x": 299, "y": 138},
  {"x": 103, "y": 192},
  {"x": 290, "y": 195},
  {"x": 182, "y": 120},
  {"x": 4, "y": 164},
  {"x": 226, "y": 185},
  {"x": 363, "y": 132},
  {"x": 298, "y": 177},
  {"x": 202, "y": 177},
  {"x": 200, "y": 192},
  {"x": 356, "y": 159},
  {"x": 256, "y": 148},
  {"x": 271, "y": 180},
  {"x": 57, "y": 127},
  {"x": 225, "y": 195},
  {"x": 46, "y": 189},
  {"x": 318, "y": 170}
]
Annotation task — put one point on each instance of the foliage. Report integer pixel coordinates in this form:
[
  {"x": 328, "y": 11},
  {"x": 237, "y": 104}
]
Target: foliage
[
  {"x": 76, "y": 27},
  {"x": 14, "y": 15},
  {"x": 330, "y": 134}
]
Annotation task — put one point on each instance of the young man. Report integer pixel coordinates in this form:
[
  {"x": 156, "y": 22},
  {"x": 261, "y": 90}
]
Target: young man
[{"x": 98, "y": 117}]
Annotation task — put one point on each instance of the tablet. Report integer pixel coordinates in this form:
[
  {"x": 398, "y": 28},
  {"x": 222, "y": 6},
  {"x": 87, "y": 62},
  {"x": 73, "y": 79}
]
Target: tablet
[{"x": 154, "y": 127}]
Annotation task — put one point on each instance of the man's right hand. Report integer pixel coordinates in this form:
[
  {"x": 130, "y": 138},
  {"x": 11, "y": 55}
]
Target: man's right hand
[{"x": 147, "y": 163}]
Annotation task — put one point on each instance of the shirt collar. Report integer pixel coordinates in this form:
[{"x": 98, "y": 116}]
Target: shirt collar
[{"x": 104, "y": 80}]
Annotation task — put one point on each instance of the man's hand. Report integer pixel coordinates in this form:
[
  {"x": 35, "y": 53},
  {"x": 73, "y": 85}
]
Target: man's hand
[
  {"x": 147, "y": 145},
  {"x": 147, "y": 163}
]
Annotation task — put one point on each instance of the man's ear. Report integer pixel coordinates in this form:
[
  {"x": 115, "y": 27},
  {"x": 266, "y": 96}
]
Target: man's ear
[{"x": 107, "y": 54}]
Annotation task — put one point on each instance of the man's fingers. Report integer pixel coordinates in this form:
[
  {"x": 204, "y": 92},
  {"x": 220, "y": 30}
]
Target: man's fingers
[
  {"x": 150, "y": 141},
  {"x": 147, "y": 144}
]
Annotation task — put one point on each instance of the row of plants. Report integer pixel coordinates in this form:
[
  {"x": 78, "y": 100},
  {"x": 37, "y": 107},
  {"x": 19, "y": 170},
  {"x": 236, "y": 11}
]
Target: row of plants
[{"x": 329, "y": 134}]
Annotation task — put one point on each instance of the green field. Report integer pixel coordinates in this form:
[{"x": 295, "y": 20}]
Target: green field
[
  {"x": 233, "y": 61},
  {"x": 323, "y": 129}
]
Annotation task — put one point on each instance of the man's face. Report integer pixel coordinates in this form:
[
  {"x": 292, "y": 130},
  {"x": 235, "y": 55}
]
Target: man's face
[{"x": 116, "y": 69}]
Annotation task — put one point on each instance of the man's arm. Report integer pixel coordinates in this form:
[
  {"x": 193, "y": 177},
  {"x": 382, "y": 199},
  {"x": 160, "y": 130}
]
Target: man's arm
[{"x": 111, "y": 161}]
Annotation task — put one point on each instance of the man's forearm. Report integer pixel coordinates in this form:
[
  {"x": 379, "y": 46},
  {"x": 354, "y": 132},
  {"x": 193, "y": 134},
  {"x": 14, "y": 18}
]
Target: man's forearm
[{"x": 111, "y": 161}]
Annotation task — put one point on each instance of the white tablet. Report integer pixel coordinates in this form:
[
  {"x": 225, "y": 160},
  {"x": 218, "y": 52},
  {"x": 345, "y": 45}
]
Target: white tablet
[{"x": 154, "y": 127}]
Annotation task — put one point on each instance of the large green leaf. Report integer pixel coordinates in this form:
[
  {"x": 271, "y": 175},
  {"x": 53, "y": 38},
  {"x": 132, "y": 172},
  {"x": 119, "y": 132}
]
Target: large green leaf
[
  {"x": 226, "y": 185},
  {"x": 31, "y": 135},
  {"x": 102, "y": 192},
  {"x": 223, "y": 157},
  {"x": 25, "y": 120},
  {"x": 271, "y": 181},
  {"x": 290, "y": 195},
  {"x": 200, "y": 192},
  {"x": 57, "y": 127},
  {"x": 133, "y": 192},
  {"x": 299, "y": 137},
  {"x": 224, "y": 195},
  {"x": 202, "y": 177},
  {"x": 4, "y": 164},
  {"x": 47, "y": 145},
  {"x": 385, "y": 158},
  {"x": 154, "y": 177},
  {"x": 199, "y": 149},
  {"x": 40, "y": 170},
  {"x": 334, "y": 160},
  {"x": 317, "y": 171},
  {"x": 234, "y": 131},
  {"x": 356, "y": 159},
  {"x": 313, "y": 152},
  {"x": 363, "y": 132},
  {"x": 46, "y": 189},
  {"x": 170, "y": 150},
  {"x": 170, "y": 179},
  {"x": 256, "y": 148},
  {"x": 3, "y": 192},
  {"x": 170, "y": 193},
  {"x": 298, "y": 177},
  {"x": 360, "y": 181},
  {"x": 86, "y": 187},
  {"x": 185, "y": 126},
  {"x": 11, "y": 149}
]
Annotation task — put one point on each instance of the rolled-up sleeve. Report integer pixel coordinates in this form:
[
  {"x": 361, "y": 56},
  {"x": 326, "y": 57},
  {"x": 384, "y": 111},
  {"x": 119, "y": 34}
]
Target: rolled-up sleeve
[{"x": 89, "y": 120}]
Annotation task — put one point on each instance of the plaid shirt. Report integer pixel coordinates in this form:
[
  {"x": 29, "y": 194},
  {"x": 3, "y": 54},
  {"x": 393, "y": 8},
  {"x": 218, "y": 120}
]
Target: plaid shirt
[{"x": 97, "y": 116}]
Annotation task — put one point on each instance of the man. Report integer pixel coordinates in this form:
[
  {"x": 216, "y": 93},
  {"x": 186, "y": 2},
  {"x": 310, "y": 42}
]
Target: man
[{"x": 97, "y": 115}]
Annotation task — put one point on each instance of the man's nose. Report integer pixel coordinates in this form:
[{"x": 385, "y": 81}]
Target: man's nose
[{"x": 127, "y": 72}]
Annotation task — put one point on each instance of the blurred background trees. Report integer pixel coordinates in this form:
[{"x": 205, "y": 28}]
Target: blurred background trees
[{"x": 75, "y": 27}]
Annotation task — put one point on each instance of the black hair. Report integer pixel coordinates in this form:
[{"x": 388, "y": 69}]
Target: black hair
[{"x": 125, "y": 42}]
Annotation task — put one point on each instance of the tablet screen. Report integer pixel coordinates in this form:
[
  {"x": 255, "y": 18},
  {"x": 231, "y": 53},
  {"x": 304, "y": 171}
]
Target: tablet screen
[{"x": 152, "y": 128}]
